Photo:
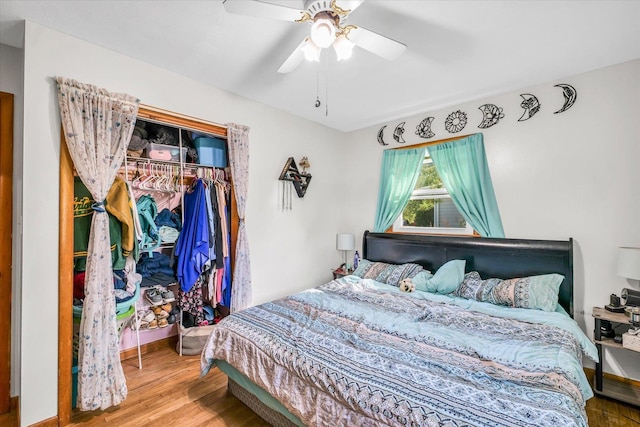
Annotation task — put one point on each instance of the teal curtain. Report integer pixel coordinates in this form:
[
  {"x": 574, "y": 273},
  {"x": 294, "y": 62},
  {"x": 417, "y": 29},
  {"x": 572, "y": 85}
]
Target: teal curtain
[
  {"x": 462, "y": 166},
  {"x": 400, "y": 171}
]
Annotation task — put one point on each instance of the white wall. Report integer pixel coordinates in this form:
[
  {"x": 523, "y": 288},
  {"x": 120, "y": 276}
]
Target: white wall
[
  {"x": 11, "y": 82},
  {"x": 283, "y": 244},
  {"x": 572, "y": 174}
]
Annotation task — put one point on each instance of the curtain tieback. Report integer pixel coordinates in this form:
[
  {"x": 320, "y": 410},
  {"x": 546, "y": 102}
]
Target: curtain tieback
[{"x": 98, "y": 206}]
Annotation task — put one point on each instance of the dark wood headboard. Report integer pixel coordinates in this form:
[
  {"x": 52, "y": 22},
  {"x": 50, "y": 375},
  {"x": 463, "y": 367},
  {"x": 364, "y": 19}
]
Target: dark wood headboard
[{"x": 500, "y": 258}]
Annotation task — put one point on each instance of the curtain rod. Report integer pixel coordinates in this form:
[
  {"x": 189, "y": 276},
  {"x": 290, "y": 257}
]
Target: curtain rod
[{"x": 440, "y": 141}]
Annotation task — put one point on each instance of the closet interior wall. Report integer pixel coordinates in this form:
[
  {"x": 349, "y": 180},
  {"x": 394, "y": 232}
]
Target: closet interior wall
[{"x": 186, "y": 172}]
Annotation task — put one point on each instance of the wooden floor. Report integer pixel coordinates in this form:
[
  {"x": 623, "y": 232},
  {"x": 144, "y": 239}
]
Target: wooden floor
[{"x": 169, "y": 392}]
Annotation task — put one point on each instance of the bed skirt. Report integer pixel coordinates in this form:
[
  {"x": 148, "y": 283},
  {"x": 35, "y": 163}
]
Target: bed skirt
[{"x": 276, "y": 419}]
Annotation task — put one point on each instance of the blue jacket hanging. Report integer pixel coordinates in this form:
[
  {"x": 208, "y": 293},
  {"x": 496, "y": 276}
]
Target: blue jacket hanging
[{"x": 192, "y": 248}]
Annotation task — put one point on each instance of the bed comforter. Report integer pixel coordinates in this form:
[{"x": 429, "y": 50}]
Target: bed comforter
[{"x": 356, "y": 352}]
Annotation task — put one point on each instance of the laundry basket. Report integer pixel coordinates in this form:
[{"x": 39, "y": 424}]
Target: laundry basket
[
  {"x": 124, "y": 312},
  {"x": 122, "y": 320}
]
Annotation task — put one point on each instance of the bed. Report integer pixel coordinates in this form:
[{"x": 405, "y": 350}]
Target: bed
[{"x": 360, "y": 352}]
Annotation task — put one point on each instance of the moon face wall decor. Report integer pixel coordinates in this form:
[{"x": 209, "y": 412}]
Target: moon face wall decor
[
  {"x": 491, "y": 115},
  {"x": 570, "y": 96},
  {"x": 381, "y": 136},
  {"x": 423, "y": 130},
  {"x": 455, "y": 122},
  {"x": 531, "y": 106},
  {"x": 397, "y": 133}
]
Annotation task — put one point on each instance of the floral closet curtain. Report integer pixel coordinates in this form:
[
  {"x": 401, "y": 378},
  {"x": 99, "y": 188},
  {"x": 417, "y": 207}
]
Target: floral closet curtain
[
  {"x": 97, "y": 125},
  {"x": 238, "y": 138}
]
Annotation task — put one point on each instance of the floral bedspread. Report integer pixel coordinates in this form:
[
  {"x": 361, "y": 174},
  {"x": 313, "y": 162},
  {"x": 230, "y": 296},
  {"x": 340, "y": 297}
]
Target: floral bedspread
[{"x": 356, "y": 353}]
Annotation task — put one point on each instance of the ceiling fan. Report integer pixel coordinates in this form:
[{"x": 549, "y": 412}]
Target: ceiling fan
[{"x": 329, "y": 28}]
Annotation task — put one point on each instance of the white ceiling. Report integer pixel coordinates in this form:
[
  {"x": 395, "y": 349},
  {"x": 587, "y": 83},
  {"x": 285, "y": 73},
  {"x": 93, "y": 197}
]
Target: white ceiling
[{"x": 456, "y": 50}]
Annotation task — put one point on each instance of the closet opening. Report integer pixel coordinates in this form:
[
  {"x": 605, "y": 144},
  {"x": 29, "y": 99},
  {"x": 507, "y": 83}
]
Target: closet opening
[{"x": 181, "y": 154}]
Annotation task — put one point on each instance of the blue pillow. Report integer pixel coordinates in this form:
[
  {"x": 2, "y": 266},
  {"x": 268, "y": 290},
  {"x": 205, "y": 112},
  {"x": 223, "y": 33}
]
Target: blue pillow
[{"x": 446, "y": 279}]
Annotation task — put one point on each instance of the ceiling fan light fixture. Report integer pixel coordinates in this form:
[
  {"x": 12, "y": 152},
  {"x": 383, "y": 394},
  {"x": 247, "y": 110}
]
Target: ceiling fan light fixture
[
  {"x": 311, "y": 51},
  {"x": 323, "y": 32},
  {"x": 343, "y": 47}
]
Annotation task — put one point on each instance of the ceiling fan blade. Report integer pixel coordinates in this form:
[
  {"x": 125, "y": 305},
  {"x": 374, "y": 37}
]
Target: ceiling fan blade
[
  {"x": 262, "y": 10},
  {"x": 377, "y": 43},
  {"x": 294, "y": 60}
]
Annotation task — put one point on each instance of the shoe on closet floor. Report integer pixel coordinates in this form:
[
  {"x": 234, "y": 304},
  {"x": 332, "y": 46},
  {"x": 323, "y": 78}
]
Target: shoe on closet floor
[
  {"x": 168, "y": 296},
  {"x": 153, "y": 296},
  {"x": 163, "y": 323},
  {"x": 145, "y": 317},
  {"x": 159, "y": 312}
]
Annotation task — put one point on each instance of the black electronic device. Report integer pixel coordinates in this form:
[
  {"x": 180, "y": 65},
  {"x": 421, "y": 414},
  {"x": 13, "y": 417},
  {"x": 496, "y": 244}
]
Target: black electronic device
[
  {"x": 614, "y": 304},
  {"x": 606, "y": 330},
  {"x": 630, "y": 297}
]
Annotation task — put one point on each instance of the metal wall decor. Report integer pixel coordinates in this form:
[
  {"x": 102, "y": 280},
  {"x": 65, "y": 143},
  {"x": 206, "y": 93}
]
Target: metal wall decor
[
  {"x": 423, "y": 130},
  {"x": 491, "y": 115},
  {"x": 299, "y": 180},
  {"x": 570, "y": 96},
  {"x": 397, "y": 133},
  {"x": 381, "y": 136},
  {"x": 531, "y": 106},
  {"x": 455, "y": 122}
]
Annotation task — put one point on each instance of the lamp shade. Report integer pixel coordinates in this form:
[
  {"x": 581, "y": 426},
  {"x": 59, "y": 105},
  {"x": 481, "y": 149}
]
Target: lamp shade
[
  {"x": 323, "y": 32},
  {"x": 629, "y": 263},
  {"x": 345, "y": 242}
]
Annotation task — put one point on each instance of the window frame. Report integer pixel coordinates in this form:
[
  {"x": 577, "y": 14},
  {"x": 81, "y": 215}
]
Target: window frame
[{"x": 433, "y": 194}]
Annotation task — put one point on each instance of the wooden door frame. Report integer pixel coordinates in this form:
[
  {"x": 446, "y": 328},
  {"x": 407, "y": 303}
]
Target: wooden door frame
[
  {"x": 65, "y": 247},
  {"x": 6, "y": 227}
]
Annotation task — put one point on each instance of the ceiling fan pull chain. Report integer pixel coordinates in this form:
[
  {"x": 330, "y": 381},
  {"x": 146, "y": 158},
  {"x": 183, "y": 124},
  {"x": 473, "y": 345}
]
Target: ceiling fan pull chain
[
  {"x": 326, "y": 85},
  {"x": 318, "y": 103}
]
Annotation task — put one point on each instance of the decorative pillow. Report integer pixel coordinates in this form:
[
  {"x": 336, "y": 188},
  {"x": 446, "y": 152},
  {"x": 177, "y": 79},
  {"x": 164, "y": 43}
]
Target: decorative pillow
[
  {"x": 363, "y": 265},
  {"x": 446, "y": 280},
  {"x": 391, "y": 274},
  {"x": 535, "y": 292}
]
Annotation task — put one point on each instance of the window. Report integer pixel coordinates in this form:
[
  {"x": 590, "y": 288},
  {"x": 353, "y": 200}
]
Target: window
[{"x": 430, "y": 208}]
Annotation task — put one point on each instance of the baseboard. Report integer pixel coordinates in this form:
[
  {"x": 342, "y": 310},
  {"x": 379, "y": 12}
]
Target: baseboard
[{"x": 132, "y": 352}]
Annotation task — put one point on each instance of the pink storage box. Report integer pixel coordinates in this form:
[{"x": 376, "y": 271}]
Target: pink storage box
[{"x": 167, "y": 153}]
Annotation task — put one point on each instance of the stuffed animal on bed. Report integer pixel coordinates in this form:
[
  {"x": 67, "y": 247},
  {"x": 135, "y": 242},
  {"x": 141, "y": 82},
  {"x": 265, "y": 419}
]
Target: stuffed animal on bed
[{"x": 406, "y": 285}]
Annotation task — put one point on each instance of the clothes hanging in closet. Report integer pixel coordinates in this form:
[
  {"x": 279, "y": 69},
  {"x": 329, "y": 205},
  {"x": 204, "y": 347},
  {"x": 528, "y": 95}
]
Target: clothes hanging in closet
[
  {"x": 192, "y": 248},
  {"x": 214, "y": 278},
  {"x": 118, "y": 205}
]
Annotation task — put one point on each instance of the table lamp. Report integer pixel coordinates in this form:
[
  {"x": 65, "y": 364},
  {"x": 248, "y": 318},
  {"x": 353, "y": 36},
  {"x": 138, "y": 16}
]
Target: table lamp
[
  {"x": 629, "y": 263},
  {"x": 629, "y": 267},
  {"x": 345, "y": 243}
]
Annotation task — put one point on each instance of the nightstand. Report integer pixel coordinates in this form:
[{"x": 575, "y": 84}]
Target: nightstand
[
  {"x": 340, "y": 272},
  {"x": 605, "y": 386}
]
